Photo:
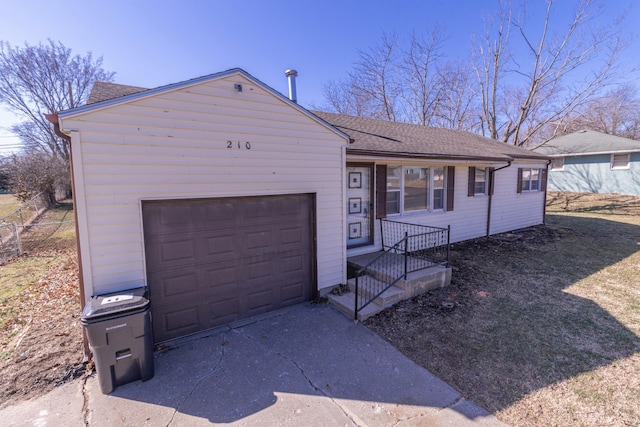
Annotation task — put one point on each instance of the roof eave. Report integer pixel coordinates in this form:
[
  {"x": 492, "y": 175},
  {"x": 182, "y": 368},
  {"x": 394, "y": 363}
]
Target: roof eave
[
  {"x": 595, "y": 153},
  {"x": 434, "y": 156}
]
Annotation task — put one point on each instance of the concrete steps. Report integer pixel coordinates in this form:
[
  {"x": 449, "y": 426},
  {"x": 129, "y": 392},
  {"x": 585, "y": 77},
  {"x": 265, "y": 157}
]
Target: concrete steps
[{"x": 416, "y": 283}]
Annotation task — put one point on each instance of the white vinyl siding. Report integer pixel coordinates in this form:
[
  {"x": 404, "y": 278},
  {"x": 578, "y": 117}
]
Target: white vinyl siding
[
  {"x": 468, "y": 220},
  {"x": 173, "y": 145},
  {"x": 510, "y": 210}
]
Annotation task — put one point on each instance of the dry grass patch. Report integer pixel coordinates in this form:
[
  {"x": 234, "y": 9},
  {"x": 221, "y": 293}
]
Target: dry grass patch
[
  {"x": 545, "y": 329},
  {"x": 8, "y": 204},
  {"x": 40, "y": 333}
]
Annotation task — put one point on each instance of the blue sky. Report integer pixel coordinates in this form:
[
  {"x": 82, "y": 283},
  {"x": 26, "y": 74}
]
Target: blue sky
[{"x": 152, "y": 43}]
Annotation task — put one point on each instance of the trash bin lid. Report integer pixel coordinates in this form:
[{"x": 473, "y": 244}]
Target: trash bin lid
[{"x": 115, "y": 304}]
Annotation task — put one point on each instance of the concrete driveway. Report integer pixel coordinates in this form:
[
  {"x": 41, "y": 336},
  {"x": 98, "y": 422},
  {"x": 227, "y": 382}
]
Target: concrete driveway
[{"x": 304, "y": 366}]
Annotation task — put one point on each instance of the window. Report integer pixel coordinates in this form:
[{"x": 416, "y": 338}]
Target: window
[
  {"x": 620, "y": 161},
  {"x": 411, "y": 188},
  {"x": 531, "y": 180},
  {"x": 438, "y": 188},
  {"x": 478, "y": 181},
  {"x": 480, "y": 186},
  {"x": 557, "y": 164}
]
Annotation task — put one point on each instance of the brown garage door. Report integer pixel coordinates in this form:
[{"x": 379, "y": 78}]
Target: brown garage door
[{"x": 214, "y": 261}]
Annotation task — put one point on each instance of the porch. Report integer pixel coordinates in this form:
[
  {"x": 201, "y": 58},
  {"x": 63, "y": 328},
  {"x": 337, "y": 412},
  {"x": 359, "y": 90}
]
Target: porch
[{"x": 417, "y": 261}]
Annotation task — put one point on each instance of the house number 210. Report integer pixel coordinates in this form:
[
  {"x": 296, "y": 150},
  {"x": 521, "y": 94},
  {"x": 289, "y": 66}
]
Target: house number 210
[{"x": 240, "y": 145}]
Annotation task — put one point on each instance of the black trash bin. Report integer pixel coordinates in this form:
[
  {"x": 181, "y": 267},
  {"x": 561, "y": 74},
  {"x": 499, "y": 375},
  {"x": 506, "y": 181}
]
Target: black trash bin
[{"x": 118, "y": 327}]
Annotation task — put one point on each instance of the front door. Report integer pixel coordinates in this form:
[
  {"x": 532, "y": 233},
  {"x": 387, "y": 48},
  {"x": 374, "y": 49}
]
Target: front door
[{"x": 359, "y": 204}]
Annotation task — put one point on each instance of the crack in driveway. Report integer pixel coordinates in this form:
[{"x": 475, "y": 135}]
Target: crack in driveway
[{"x": 200, "y": 380}]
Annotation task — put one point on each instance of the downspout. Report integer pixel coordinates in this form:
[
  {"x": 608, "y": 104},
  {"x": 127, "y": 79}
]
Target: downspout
[
  {"x": 53, "y": 118},
  {"x": 491, "y": 176}
]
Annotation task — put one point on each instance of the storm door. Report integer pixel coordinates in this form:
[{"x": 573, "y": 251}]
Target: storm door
[{"x": 359, "y": 204}]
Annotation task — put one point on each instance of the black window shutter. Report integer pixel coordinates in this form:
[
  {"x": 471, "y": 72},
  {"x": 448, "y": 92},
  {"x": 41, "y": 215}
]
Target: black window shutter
[
  {"x": 471, "y": 189},
  {"x": 520, "y": 171},
  {"x": 451, "y": 181},
  {"x": 491, "y": 179},
  {"x": 543, "y": 184},
  {"x": 381, "y": 191}
]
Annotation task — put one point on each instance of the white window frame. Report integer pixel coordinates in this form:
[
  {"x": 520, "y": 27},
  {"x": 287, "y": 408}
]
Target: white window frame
[
  {"x": 430, "y": 190},
  {"x": 557, "y": 164},
  {"x": 530, "y": 180},
  {"x": 626, "y": 163},
  {"x": 485, "y": 182}
]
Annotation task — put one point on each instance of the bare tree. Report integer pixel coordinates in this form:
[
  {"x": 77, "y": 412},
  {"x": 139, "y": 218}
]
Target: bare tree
[
  {"x": 30, "y": 173},
  {"x": 560, "y": 72},
  {"x": 489, "y": 63},
  {"x": 458, "y": 108},
  {"x": 344, "y": 98},
  {"x": 372, "y": 88},
  {"x": 375, "y": 78},
  {"x": 617, "y": 113},
  {"x": 422, "y": 84},
  {"x": 45, "y": 79},
  {"x": 414, "y": 85}
]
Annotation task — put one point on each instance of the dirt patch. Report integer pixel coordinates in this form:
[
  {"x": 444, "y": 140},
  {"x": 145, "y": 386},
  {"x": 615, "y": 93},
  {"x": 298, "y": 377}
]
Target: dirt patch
[
  {"x": 540, "y": 326},
  {"x": 41, "y": 337}
]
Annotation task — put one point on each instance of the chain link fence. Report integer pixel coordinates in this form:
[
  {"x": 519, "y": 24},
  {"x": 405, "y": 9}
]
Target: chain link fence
[
  {"x": 13, "y": 225},
  {"x": 10, "y": 244}
]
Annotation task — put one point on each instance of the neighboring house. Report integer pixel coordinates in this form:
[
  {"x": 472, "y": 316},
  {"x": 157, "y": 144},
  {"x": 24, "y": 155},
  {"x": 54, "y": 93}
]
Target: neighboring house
[
  {"x": 229, "y": 200},
  {"x": 593, "y": 162}
]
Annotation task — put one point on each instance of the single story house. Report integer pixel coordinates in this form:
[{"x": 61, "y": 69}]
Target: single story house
[
  {"x": 228, "y": 199},
  {"x": 593, "y": 162}
]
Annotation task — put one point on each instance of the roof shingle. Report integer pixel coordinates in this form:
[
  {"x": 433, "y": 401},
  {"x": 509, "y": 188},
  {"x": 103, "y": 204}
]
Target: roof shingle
[
  {"x": 103, "y": 91},
  {"x": 380, "y": 137},
  {"x": 587, "y": 142}
]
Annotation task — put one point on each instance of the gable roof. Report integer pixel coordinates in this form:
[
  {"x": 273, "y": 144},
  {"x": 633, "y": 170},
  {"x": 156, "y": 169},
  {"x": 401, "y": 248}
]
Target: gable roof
[
  {"x": 586, "y": 142},
  {"x": 104, "y": 94},
  {"x": 393, "y": 139}
]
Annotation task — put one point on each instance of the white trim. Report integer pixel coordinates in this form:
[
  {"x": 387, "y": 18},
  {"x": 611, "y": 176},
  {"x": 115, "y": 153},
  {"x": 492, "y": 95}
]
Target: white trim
[
  {"x": 430, "y": 189},
  {"x": 80, "y": 205},
  {"x": 486, "y": 182},
  {"x": 595, "y": 153}
]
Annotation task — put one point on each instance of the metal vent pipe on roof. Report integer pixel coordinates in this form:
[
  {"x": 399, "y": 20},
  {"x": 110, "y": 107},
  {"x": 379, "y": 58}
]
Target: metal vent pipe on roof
[{"x": 291, "y": 75}]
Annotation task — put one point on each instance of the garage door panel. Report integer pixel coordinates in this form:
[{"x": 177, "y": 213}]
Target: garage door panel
[
  {"x": 221, "y": 277},
  {"x": 223, "y": 214},
  {"x": 174, "y": 284},
  {"x": 293, "y": 293},
  {"x": 164, "y": 252},
  {"x": 220, "y": 247},
  {"x": 225, "y": 309},
  {"x": 239, "y": 257},
  {"x": 294, "y": 263},
  {"x": 260, "y": 301},
  {"x": 259, "y": 240},
  {"x": 292, "y": 235},
  {"x": 176, "y": 321}
]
